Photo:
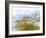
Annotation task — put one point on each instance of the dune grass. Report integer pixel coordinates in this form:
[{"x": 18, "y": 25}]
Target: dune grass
[{"x": 28, "y": 27}]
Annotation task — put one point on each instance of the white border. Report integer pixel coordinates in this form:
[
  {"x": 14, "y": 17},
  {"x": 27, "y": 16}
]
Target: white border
[{"x": 25, "y": 32}]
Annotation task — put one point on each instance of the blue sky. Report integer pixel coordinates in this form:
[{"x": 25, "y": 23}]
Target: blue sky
[{"x": 20, "y": 12}]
